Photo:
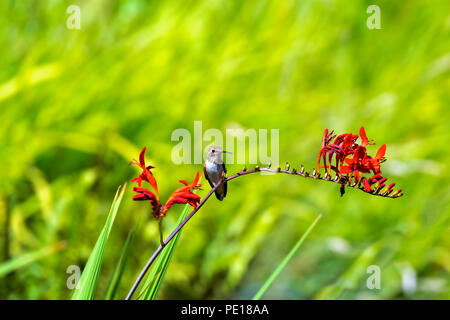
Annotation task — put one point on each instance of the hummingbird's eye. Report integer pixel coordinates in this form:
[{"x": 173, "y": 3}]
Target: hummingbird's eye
[{"x": 213, "y": 151}]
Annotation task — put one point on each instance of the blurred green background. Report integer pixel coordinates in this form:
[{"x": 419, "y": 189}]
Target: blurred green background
[{"x": 77, "y": 105}]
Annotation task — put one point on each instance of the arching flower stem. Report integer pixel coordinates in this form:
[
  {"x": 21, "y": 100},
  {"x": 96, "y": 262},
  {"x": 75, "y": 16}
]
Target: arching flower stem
[{"x": 302, "y": 173}]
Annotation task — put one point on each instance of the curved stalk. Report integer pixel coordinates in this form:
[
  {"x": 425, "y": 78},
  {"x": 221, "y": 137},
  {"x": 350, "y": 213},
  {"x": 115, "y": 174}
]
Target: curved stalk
[{"x": 302, "y": 173}]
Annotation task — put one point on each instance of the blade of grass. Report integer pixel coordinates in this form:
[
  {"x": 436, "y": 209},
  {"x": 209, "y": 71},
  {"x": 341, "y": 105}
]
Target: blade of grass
[
  {"x": 156, "y": 276},
  {"x": 140, "y": 294},
  {"x": 29, "y": 257},
  {"x": 285, "y": 261},
  {"x": 120, "y": 266},
  {"x": 91, "y": 272}
]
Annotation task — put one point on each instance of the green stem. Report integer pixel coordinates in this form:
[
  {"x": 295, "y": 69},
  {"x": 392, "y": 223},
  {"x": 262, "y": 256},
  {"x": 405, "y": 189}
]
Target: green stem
[{"x": 161, "y": 236}]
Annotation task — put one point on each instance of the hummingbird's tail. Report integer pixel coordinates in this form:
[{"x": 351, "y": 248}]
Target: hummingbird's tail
[{"x": 221, "y": 191}]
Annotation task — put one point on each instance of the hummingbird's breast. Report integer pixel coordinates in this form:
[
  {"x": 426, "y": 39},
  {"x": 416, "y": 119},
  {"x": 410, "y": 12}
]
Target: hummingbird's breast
[{"x": 214, "y": 171}]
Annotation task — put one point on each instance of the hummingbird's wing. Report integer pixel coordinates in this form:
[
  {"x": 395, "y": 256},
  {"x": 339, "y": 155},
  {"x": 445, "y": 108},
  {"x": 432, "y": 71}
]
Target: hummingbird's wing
[
  {"x": 221, "y": 191},
  {"x": 224, "y": 185},
  {"x": 206, "y": 175}
]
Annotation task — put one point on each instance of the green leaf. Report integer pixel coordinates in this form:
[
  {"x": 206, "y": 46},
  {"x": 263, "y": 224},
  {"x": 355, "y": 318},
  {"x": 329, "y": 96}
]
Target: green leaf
[
  {"x": 91, "y": 272},
  {"x": 120, "y": 267},
  {"x": 158, "y": 271},
  {"x": 29, "y": 257},
  {"x": 285, "y": 261}
]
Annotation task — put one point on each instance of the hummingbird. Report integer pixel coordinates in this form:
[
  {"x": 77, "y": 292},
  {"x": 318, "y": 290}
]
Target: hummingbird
[{"x": 214, "y": 170}]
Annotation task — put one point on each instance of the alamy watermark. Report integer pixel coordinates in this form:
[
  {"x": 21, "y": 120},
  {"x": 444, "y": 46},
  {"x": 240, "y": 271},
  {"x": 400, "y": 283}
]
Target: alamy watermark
[
  {"x": 374, "y": 20},
  {"x": 192, "y": 148},
  {"x": 73, "y": 281},
  {"x": 74, "y": 19},
  {"x": 374, "y": 280}
]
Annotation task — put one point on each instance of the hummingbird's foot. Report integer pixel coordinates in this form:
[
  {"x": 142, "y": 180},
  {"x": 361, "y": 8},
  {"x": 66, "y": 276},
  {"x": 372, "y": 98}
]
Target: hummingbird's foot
[{"x": 222, "y": 178}]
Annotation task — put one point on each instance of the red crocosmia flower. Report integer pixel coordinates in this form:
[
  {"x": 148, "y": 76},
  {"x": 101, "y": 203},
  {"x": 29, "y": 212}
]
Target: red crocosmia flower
[
  {"x": 342, "y": 146},
  {"x": 145, "y": 194},
  {"x": 346, "y": 151},
  {"x": 356, "y": 165},
  {"x": 329, "y": 149},
  {"x": 364, "y": 140},
  {"x": 327, "y": 137},
  {"x": 374, "y": 163},
  {"x": 146, "y": 174},
  {"x": 181, "y": 195}
]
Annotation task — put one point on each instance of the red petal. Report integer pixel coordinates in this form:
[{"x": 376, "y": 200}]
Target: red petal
[
  {"x": 381, "y": 152},
  {"x": 367, "y": 186},
  {"x": 138, "y": 180},
  {"x": 142, "y": 157},
  {"x": 364, "y": 140},
  {"x": 359, "y": 153},
  {"x": 347, "y": 142},
  {"x": 348, "y": 161},
  {"x": 140, "y": 196},
  {"x": 325, "y": 136},
  {"x": 346, "y": 169},
  {"x": 144, "y": 194},
  {"x": 192, "y": 199},
  {"x": 376, "y": 176},
  {"x": 196, "y": 179},
  {"x": 151, "y": 179}
]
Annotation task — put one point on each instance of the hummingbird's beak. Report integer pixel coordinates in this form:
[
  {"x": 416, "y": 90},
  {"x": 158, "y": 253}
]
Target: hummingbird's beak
[{"x": 223, "y": 151}]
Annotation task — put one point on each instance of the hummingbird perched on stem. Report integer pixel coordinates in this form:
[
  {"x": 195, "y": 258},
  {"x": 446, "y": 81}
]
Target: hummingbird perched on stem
[{"x": 214, "y": 170}]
